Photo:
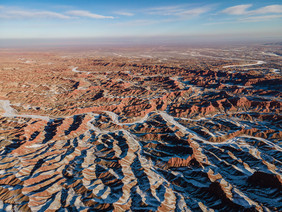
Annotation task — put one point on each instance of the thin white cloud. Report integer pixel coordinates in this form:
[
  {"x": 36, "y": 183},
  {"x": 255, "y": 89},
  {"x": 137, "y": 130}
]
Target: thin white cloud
[
  {"x": 170, "y": 13},
  {"x": 243, "y": 10},
  {"x": 170, "y": 10},
  {"x": 14, "y": 14},
  {"x": 87, "y": 14},
  {"x": 237, "y": 10},
  {"x": 124, "y": 13},
  {"x": 195, "y": 11},
  {"x": 260, "y": 18},
  {"x": 179, "y": 10},
  {"x": 269, "y": 9}
]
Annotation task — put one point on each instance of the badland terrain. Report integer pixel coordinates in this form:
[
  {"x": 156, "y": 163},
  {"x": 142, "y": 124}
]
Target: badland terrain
[{"x": 141, "y": 129}]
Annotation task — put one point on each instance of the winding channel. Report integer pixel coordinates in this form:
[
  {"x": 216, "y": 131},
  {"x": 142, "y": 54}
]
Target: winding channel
[
  {"x": 11, "y": 112},
  {"x": 243, "y": 65}
]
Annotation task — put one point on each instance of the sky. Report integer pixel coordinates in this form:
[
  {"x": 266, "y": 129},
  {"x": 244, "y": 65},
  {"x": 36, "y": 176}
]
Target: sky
[{"x": 71, "y": 19}]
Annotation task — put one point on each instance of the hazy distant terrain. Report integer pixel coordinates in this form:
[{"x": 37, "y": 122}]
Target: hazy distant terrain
[{"x": 141, "y": 129}]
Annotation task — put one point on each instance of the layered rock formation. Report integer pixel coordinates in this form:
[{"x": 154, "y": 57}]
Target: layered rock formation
[{"x": 100, "y": 133}]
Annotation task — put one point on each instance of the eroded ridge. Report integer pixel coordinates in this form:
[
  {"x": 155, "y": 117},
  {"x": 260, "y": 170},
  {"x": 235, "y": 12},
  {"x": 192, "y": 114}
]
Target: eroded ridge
[{"x": 110, "y": 134}]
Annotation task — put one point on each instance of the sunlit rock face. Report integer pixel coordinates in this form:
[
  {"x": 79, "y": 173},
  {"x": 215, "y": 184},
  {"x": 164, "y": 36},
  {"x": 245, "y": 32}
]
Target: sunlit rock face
[{"x": 91, "y": 132}]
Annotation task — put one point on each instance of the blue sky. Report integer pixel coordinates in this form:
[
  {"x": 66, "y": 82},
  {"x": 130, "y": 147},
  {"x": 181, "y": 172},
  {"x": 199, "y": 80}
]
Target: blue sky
[{"x": 125, "y": 18}]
